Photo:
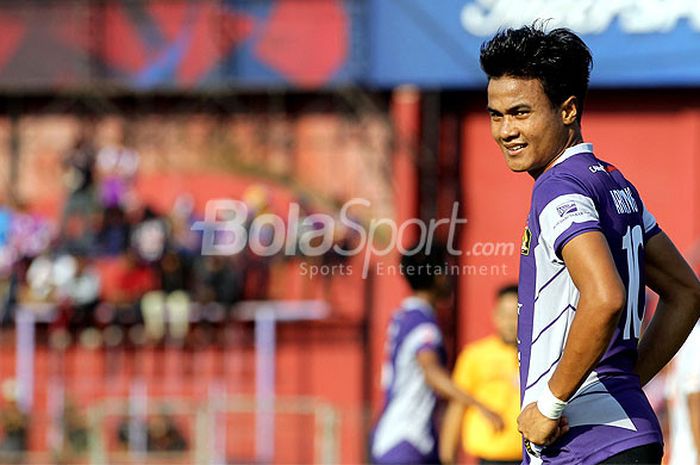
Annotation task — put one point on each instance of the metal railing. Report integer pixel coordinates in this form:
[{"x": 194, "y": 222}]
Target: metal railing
[{"x": 209, "y": 425}]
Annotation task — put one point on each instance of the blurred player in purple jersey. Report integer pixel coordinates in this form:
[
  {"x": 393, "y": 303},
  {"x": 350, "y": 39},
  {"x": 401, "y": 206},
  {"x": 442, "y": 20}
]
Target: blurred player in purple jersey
[
  {"x": 589, "y": 249},
  {"x": 414, "y": 375}
]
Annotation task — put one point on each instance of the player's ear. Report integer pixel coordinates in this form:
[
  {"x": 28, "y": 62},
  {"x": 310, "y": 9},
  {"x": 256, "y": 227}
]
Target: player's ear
[{"x": 569, "y": 110}]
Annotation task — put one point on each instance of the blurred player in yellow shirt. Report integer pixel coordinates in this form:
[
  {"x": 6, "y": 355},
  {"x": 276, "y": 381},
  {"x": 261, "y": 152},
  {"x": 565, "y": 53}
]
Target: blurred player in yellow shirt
[{"x": 488, "y": 370}]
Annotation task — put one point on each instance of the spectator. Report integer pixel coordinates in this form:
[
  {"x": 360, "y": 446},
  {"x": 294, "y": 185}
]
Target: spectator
[
  {"x": 77, "y": 231},
  {"x": 149, "y": 236},
  {"x": 75, "y": 432},
  {"x": 79, "y": 293},
  {"x": 114, "y": 234},
  {"x": 79, "y": 161},
  {"x": 14, "y": 424},
  {"x": 77, "y": 235},
  {"x": 488, "y": 370},
  {"x": 117, "y": 167},
  {"x": 164, "y": 435},
  {"x": 183, "y": 238},
  {"x": 218, "y": 279},
  {"x": 79, "y": 166},
  {"x": 171, "y": 302},
  {"x": 136, "y": 279},
  {"x": 39, "y": 279},
  {"x": 30, "y": 234}
]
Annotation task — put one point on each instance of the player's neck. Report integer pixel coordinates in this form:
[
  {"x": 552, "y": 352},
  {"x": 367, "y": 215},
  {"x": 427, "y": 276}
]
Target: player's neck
[
  {"x": 575, "y": 138},
  {"x": 428, "y": 296}
]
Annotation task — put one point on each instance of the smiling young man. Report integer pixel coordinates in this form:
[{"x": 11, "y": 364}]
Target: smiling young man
[{"x": 589, "y": 249}]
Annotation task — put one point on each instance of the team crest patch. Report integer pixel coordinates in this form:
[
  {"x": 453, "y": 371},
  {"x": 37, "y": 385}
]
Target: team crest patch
[
  {"x": 565, "y": 209},
  {"x": 525, "y": 245}
]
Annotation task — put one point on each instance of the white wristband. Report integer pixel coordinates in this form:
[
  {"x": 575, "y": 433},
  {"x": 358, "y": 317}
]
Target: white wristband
[{"x": 549, "y": 405}]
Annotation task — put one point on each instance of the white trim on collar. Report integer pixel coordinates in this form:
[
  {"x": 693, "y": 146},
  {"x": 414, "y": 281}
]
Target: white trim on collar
[
  {"x": 584, "y": 147},
  {"x": 414, "y": 302}
]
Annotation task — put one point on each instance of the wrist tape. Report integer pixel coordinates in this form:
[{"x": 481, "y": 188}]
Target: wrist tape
[{"x": 549, "y": 405}]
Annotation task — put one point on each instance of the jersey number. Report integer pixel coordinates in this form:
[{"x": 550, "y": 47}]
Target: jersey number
[{"x": 632, "y": 242}]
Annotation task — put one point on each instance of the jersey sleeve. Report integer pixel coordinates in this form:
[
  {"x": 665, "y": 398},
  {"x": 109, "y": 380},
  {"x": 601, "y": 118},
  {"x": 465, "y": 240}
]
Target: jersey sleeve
[
  {"x": 651, "y": 227},
  {"x": 424, "y": 336},
  {"x": 565, "y": 210}
]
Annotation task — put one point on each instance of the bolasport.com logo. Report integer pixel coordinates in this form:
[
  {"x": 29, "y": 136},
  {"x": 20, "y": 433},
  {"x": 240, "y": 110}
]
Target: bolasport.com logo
[{"x": 229, "y": 228}]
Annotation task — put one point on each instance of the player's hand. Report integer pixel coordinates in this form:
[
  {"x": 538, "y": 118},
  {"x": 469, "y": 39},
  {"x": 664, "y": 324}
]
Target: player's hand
[
  {"x": 493, "y": 418},
  {"x": 538, "y": 429}
]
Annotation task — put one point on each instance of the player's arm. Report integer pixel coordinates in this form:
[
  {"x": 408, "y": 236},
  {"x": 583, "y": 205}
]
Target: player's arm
[
  {"x": 602, "y": 297},
  {"x": 438, "y": 378},
  {"x": 464, "y": 376},
  {"x": 450, "y": 431},
  {"x": 670, "y": 276}
]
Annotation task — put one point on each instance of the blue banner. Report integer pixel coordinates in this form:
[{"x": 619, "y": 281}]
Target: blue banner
[{"x": 436, "y": 43}]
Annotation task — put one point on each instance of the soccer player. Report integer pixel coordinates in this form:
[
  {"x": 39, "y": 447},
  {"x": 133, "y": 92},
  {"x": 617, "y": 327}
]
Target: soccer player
[
  {"x": 414, "y": 374},
  {"x": 488, "y": 370},
  {"x": 589, "y": 249}
]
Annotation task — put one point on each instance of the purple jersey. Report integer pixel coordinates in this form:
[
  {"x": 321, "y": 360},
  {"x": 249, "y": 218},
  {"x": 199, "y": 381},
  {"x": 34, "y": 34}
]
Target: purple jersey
[
  {"x": 406, "y": 430},
  {"x": 609, "y": 413}
]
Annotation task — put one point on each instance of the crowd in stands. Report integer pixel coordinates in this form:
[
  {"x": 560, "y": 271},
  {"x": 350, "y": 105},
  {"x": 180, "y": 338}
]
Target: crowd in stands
[{"x": 111, "y": 260}]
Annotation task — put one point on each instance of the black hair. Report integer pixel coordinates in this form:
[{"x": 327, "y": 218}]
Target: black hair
[
  {"x": 559, "y": 59},
  {"x": 420, "y": 265},
  {"x": 507, "y": 289}
]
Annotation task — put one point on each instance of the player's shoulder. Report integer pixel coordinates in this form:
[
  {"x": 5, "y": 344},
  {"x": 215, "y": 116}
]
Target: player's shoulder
[
  {"x": 589, "y": 170},
  {"x": 557, "y": 184},
  {"x": 602, "y": 179},
  {"x": 411, "y": 317},
  {"x": 575, "y": 169},
  {"x": 582, "y": 175}
]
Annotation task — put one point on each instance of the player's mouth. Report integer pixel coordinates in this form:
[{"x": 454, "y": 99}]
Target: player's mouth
[{"x": 514, "y": 149}]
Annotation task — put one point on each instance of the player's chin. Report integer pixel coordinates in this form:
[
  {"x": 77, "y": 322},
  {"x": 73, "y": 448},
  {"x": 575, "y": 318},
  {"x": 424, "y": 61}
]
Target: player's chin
[{"x": 516, "y": 166}]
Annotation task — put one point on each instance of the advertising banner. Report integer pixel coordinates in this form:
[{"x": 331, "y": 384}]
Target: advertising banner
[
  {"x": 212, "y": 45},
  {"x": 634, "y": 42},
  {"x": 179, "y": 44}
]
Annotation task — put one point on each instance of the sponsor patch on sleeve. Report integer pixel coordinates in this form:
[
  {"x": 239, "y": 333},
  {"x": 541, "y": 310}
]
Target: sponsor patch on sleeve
[
  {"x": 525, "y": 244},
  {"x": 566, "y": 208}
]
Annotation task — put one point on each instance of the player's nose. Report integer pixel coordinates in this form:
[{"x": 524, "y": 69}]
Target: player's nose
[{"x": 508, "y": 130}]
